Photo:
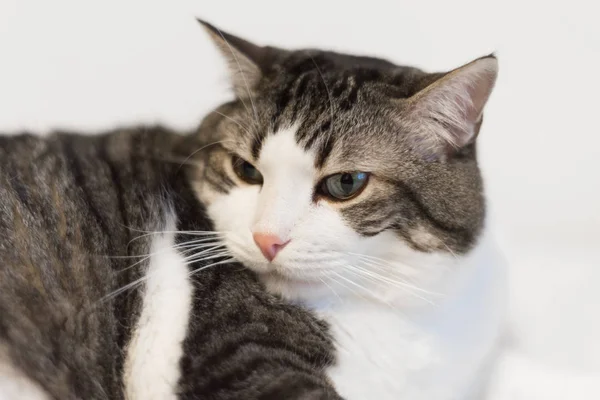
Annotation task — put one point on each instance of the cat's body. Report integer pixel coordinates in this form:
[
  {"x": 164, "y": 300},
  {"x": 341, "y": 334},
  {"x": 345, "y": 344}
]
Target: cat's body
[{"x": 77, "y": 216}]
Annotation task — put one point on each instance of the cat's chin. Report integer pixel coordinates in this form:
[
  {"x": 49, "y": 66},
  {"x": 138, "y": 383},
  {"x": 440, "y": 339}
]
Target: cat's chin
[{"x": 294, "y": 288}]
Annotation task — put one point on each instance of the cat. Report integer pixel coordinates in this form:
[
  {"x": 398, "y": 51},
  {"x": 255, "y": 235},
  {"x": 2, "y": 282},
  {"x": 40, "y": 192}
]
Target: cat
[{"x": 351, "y": 186}]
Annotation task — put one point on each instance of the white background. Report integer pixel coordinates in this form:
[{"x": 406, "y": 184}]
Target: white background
[{"x": 94, "y": 64}]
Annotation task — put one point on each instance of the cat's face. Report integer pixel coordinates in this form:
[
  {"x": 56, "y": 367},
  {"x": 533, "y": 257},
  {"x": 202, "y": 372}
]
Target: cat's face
[{"x": 334, "y": 175}]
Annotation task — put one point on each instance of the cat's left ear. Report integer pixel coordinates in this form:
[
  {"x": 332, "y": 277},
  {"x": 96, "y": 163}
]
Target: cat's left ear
[
  {"x": 245, "y": 60},
  {"x": 446, "y": 115}
]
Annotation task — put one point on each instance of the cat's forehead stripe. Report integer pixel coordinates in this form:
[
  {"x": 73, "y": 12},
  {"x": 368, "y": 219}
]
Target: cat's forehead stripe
[
  {"x": 324, "y": 151},
  {"x": 312, "y": 99}
]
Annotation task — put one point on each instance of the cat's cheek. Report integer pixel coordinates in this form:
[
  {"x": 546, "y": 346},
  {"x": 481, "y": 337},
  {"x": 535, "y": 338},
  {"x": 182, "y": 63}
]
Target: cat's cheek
[{"x": 232, "y": 214}]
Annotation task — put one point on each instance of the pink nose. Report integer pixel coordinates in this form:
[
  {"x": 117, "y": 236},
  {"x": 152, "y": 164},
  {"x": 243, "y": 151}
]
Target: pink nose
[{"x": 269, "y": 244}]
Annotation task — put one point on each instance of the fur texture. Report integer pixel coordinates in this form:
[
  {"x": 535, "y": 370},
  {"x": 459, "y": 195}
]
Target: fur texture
[{"x": 96, "y": 303}]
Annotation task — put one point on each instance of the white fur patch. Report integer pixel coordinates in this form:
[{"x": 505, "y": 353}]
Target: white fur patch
[
  {"x": 152, "y": 361},
  {"x": 289, "y": 175}
]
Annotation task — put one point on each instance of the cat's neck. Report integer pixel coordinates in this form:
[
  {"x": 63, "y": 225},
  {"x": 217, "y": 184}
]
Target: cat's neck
[
  {"x": 458, "y": 278},
  {"x": 448, "y": 341}
]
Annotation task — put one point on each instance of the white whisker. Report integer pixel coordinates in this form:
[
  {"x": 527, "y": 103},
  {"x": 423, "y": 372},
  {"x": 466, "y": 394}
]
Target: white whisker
[
  {"x": 234, "y": 121},
  {"x": 204, "y": 246},
  {"x": 345, "y": 286},
  {"x": 124, "y": 288},
  {"x": 205, "y": 255},
  {"x": 190, "y": 233},
  {"x": 329, "y": 96},
  {"x": 139, "y": 281},
  {"x": 242, "y": 74},
  {"x": 202, "y": 148},
  {"x": 403, "y": 283},
  {"x": 378, "y": 278},
  {"x": 369, "y": 292},
  {"x": 330, "y": 288},
  {"x": 395, "y": 268},
  {"x": 193, "y": 244},
  {"x": 211, "y": 265}
]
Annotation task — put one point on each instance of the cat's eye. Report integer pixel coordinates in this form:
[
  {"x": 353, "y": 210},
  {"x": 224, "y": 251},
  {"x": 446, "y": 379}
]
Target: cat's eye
[
  {"x": 344, "y": 186},
  {"x": 246, "y": 171}
]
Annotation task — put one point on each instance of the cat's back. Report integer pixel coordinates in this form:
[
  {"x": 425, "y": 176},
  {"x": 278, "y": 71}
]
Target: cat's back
[
  {"x": 62, "y": 188},
  {"x": 68, "y": 206},
  {"x": 57, "y": 188}
]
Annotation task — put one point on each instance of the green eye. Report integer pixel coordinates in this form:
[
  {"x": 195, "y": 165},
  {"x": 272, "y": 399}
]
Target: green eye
[
  {"x": 246, "y": 171},
  {"x": 344, "y": 186}
]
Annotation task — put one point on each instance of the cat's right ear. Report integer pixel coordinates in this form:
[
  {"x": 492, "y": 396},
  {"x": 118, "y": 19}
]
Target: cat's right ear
[
  {"x": 245, "y": 60},
  {"x": 446, "y": 115}
]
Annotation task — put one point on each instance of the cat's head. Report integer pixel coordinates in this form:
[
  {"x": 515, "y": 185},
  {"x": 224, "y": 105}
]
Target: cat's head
[{"x": 333, "y": 174}]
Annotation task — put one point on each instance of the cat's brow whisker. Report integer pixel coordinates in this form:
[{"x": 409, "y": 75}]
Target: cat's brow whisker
[
  {"x": 202, "y": 148},
  {"x": 242, "y": 74},
  {"x": 329, "y": 97},
  {"x": 234, "y": 121},
  {"x": 178, "y": 160}
]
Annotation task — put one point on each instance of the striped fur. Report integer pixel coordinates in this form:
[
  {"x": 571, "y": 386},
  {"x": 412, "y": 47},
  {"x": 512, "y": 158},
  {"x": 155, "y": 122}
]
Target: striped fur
[{"x": 73, "y": 220}]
